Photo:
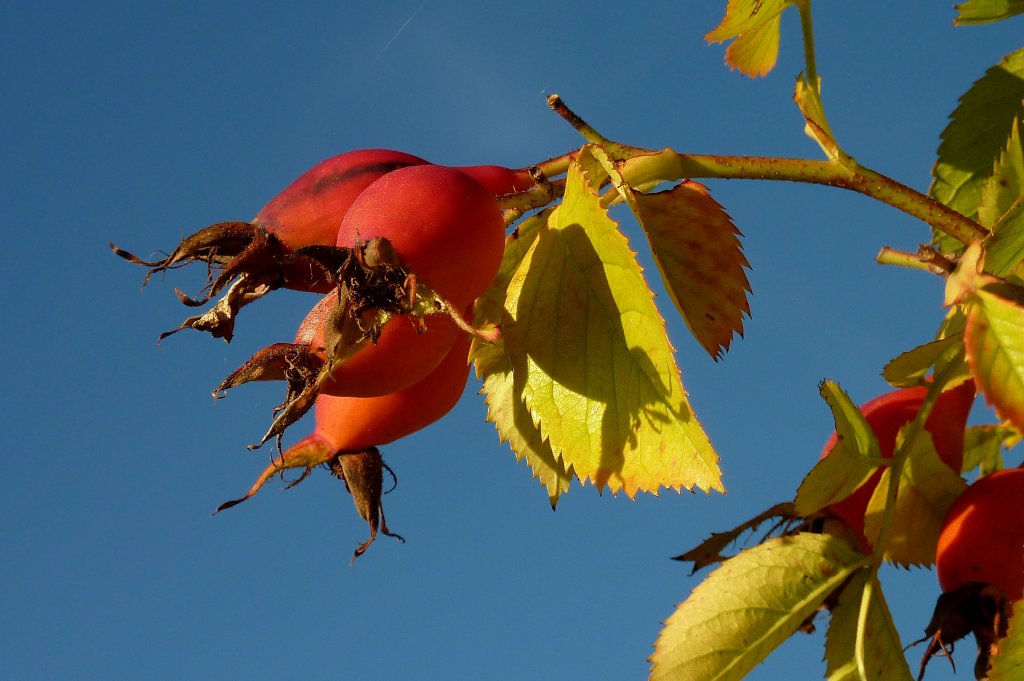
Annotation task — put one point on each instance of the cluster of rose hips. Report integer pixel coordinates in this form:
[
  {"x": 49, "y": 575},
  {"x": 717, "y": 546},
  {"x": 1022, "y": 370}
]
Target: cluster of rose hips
[
  {"x": 979, "y": 559},
  {"x": 399, "y": 249}
]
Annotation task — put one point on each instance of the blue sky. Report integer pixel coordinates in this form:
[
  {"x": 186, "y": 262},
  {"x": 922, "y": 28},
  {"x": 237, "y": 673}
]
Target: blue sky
[{"x": 136, "y": 123}]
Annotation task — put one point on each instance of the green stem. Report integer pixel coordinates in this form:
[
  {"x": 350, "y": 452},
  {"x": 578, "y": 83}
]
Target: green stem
[
  {"x": 807, "y": 31},
  {"x": 557, "y": 165},
  {"x": 668, "y": 165},
  {"x": 859, "y": 642},
  {"x": 899, "y": 459},
  {"x": 926, "y": 259}
]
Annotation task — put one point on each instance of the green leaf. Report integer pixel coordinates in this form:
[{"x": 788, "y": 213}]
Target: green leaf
[
  {"x": 883, "y": 654},
  {"x": 505, "y": 407},
  {"x": 851, "y": 427},
  {"x": 1004, "y": 249},
  {"x": 976, "y": 134},
  {"x": 834, "y": 478},
  {"x": 1008, "y": 663},
  {"x": 927, "y": 488},
  {"x": 854, "y": 458},
  {"x": 983, "y": 447},
  {"x": 755, "y": 26},
  {"x": 909, "y": 369},
  {"x": 1007, "y": 181},
  {"x": 986, "y": 11},
  {"x": 749, "y": 606},
  {"x": 995, "y": 348},
  {"x": 697, "y": 250},
  {"x": 589, "y": 348}
]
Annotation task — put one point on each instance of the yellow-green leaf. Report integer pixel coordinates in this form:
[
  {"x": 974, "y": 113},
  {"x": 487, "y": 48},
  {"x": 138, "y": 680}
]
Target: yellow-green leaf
[
  {"x": 1006, "y": 184},
  {"x": 589, "y": 347},
  {"x": 909, "y": 369},
  {"x": 505, "y": 407},
  {"x": 983, "y": 447},
  {"x": 1008, "y": 663},
  {"x": 697, "y": 249},
  {"x": 754, "y": 24},
  {"x": 883, "y": 653},
  {"x": 749, "y": 606},
  {"x": 807, "y": 96},
  {"x": 851, "y": 463},
  {"x": 976, "y": 134},
  {"x": 927, "y": 488},
  {"x": 995, "y": 349},
  {"x": 1004, "y": 249},
  {"x": 986, "y": 11}
]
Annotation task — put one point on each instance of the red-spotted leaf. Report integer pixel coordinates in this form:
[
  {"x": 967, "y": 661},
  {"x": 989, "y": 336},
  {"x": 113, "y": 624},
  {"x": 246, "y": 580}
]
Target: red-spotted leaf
[
  {"x": 753, "y": 25},
  {"x": 697, "y": 249}
]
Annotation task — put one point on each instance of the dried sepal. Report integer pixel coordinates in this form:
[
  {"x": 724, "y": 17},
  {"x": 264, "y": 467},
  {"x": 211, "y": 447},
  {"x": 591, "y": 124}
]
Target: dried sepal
[
  {"x": 249, "y": 262},
  {"x": 362, "y": 473},
  {"x": 974, "y": 608}
]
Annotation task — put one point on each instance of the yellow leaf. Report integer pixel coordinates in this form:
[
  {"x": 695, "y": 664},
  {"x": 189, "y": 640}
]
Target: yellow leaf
[
  {"x": 589, "y": 349},
  {"x": 755, "y": 26},
  {"x": 505, "y": 407}
]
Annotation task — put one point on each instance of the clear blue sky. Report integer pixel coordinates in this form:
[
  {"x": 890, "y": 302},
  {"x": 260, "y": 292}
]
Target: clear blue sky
[{"x": 136, "y": 123}]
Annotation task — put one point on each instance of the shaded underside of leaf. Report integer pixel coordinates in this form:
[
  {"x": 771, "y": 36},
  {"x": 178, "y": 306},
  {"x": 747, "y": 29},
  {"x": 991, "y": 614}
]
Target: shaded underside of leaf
[
  {"x": 697, "y": 249},
  {"x": 589, "y": 349},
  {"x": 1007, "y": 180},
  {"x": 983, "y": 447},
  {"x": 995, "y": 349},
  {"x": 986, "y": 11},
  {"x": 505, "y": 407},
  {"x": 976, "y": 134},
  {"x": 755, "y": 26},
  {"x": 832, "y": 479},
  {"x": 927, "y": 488},
  {"x": 1004, "y": 249},
  {"x": 909, "y": 368},
  {"x": 883, "y": 653},
  {"x": 749, "y": 606}
]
